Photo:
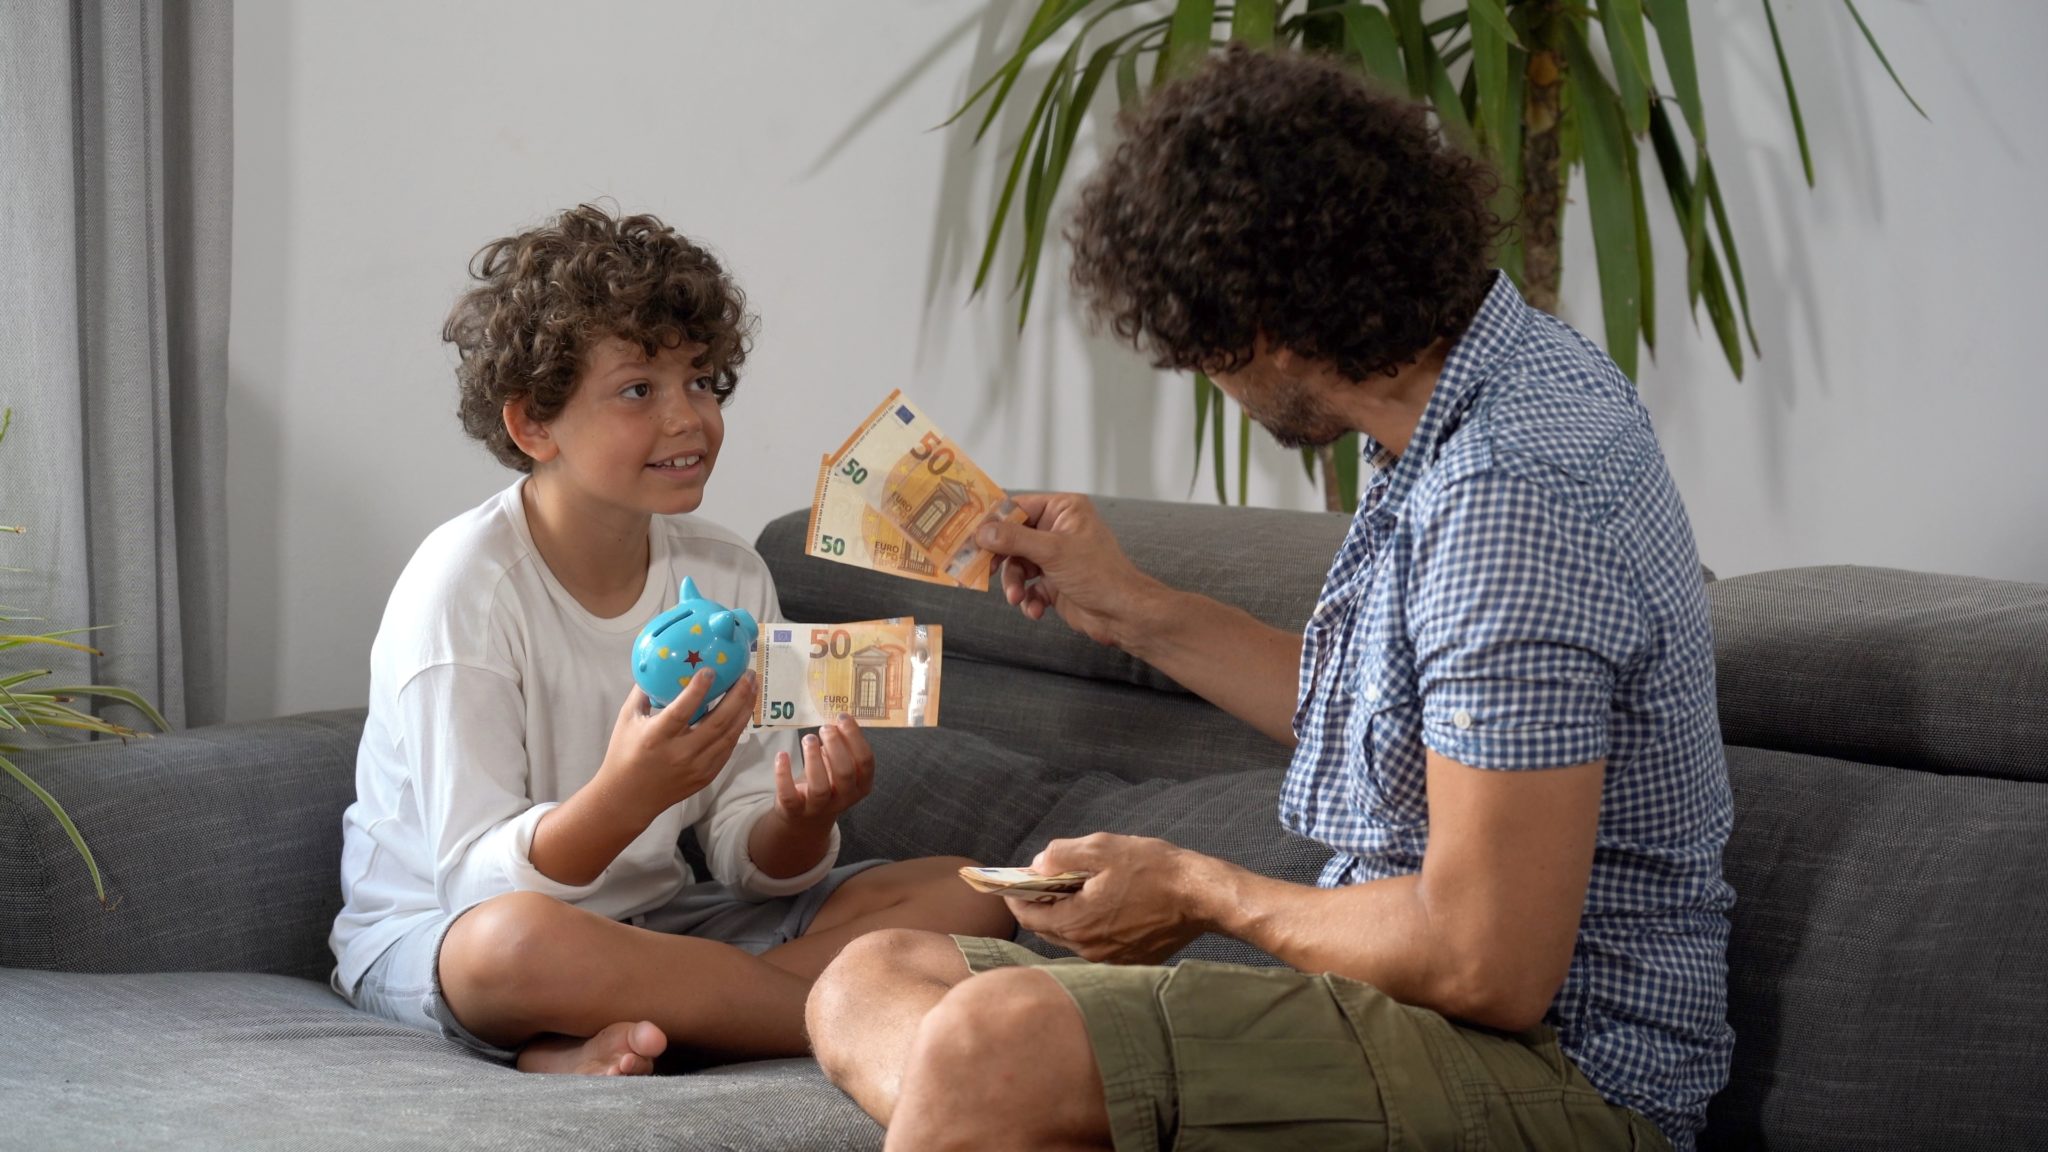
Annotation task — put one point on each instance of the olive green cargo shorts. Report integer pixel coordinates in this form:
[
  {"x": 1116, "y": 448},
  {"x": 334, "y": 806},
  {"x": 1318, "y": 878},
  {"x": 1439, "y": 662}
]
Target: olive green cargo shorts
[{"x": 1208, "y": 1056}]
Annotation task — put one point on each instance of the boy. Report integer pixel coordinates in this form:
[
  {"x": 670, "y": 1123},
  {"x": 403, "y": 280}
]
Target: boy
[{"x": 510, "y": 869}]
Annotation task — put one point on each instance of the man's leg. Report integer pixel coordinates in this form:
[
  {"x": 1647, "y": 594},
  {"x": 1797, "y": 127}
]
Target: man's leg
[
  {"x": 574, "y": 988},
  {"x": 925, "y": 894},
  {"x": 1003, "y": 1061},
  {"x": 999, "y": 1060},
  {"x": 865, "y": 1010}
]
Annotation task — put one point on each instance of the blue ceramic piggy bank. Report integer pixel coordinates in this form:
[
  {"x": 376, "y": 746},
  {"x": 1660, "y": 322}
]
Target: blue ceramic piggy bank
[{"x": 694, "y": 634}]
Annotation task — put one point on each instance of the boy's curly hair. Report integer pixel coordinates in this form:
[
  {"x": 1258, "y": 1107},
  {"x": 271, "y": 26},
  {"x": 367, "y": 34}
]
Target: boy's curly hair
[
  {"x": 1280, "y": 194},
  {"x": 547, "y": 295}
]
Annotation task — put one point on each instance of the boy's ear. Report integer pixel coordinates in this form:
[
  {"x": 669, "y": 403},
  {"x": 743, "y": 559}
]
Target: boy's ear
[{"x": 529, "y": 434}]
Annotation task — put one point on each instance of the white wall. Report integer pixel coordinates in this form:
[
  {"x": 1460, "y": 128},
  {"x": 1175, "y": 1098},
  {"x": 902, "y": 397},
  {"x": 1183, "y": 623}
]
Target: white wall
[{"x": 1893, "y": 420}]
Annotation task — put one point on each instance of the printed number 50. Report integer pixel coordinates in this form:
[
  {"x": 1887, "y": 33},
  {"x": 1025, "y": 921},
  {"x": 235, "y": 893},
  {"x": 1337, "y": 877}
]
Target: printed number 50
[
  {"x": 832, "y": 546},
  {"x": 782, "y": 709}
]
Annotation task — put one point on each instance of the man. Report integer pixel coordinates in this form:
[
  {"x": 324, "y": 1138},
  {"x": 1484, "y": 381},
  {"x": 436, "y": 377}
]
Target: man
[{"x": 1503, "y": 721}]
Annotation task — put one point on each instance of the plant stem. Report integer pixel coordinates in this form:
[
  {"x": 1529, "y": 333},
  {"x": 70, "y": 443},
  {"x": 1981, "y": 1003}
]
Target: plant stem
[{"x": 1543, "y": 173}]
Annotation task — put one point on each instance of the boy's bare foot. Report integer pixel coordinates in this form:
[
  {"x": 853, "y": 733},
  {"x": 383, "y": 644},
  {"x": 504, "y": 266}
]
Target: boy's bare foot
[{"x": 623, "y": 1049}]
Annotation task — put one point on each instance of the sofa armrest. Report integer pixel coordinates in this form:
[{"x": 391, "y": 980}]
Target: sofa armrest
[{"x": 220, "y": 848}]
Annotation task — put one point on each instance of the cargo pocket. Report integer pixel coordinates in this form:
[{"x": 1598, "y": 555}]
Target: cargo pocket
[{"x": 1265, "y": 1059}]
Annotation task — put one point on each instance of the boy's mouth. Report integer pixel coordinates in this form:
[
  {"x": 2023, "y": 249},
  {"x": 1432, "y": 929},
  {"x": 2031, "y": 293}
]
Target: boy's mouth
[{"x": 679, "y": 462}]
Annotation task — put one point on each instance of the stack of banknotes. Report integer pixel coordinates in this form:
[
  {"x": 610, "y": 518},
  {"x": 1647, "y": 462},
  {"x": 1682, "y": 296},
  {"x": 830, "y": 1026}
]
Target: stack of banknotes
[{"x": 898, "y": 497}]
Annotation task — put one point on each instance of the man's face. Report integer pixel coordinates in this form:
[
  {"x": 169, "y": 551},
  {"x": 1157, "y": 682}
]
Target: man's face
[
  {"x": 1295, "y": 409},
  {"x": 640, "y": 433}
]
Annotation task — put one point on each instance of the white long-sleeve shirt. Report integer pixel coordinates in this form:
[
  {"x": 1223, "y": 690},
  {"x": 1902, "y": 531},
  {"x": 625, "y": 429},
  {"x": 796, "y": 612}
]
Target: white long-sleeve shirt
[{"x": 492, "y": 698}]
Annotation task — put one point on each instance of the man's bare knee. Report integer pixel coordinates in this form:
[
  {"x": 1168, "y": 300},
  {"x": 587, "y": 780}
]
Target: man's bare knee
[
  {"x": 990, "y": 1018},
  {"x": 865, "y": 970}
]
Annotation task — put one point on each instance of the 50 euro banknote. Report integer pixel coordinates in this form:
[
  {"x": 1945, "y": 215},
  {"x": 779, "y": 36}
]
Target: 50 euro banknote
[
  {"x": 883, "y": 673},
  {"x": 900, "y": 497}
]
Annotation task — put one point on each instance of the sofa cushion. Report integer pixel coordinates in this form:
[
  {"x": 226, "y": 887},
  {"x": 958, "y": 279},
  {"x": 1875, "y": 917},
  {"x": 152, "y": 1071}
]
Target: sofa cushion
[
  {"x": 1942, "y": 673},
  {"x": 1234, "y": 817},
  {"x": 212, "y": 1060},
  {"x": 1888, "y": 971}
]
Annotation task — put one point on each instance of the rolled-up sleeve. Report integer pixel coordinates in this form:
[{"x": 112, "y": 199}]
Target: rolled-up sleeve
[{"x": 1523, "y": 614}]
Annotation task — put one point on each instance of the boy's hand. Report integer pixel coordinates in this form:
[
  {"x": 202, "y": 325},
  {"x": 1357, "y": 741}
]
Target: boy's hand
[
  {"x": 664, "y": 759},
  {"x": 839, "y": 771}
]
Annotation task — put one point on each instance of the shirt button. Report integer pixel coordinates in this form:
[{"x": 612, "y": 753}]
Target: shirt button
[
  {"x": 1372, "y": 691},
  {"x": 1462, "y": 719}
]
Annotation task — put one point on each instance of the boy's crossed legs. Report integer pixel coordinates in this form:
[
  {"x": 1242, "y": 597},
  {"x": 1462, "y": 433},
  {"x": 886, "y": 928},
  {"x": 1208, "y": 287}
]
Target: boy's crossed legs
[{"x": 576, "y": 992}]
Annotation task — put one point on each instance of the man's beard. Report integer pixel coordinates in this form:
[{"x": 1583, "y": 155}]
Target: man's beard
[{"x": 1295, "y": 419}]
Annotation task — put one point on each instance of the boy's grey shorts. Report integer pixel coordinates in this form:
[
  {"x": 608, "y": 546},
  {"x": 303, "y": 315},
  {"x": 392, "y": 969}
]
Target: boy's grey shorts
[{"x": 404, "y": 984}]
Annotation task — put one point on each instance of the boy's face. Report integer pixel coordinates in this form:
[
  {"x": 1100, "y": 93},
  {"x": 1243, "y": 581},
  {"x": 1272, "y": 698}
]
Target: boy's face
[{"x": 639, "y": 433}]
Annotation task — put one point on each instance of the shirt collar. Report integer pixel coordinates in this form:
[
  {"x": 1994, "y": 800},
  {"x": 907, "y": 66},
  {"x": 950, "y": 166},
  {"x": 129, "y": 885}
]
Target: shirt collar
[{"x": 1495, "y": 330}]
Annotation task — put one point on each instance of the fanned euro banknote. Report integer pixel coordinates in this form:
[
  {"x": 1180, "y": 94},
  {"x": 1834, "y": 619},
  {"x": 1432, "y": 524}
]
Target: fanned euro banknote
[
  {"x": 883, "y": 673},
  {"x": 900, "y": 497}
]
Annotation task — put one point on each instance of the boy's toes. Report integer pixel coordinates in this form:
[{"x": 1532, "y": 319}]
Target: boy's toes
[{"x": 647, "y": 1040}]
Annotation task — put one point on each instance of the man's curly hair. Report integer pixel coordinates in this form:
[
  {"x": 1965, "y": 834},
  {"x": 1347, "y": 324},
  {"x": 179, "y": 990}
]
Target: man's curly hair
[
  {"x": 1281, "y": 194},
  {"x": 546, "y": 296}
]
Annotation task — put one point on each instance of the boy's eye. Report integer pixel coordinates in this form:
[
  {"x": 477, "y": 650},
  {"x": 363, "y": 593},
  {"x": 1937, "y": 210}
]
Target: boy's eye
[
  {"x": 638, "y": 390},
  {"x": 701, "y": 384}
]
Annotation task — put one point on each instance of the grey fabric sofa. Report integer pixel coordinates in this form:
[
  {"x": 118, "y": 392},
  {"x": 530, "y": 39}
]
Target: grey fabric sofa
[{"x": 1888, "y": 741}]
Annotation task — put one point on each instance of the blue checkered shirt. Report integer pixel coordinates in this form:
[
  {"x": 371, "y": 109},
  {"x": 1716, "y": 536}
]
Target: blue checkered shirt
[{"x": 1520, "y": 590}]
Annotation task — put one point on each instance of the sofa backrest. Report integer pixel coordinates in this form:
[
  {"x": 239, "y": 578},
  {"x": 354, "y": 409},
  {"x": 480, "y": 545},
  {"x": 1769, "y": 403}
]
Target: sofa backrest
[
  {"x": 1043, "y": 688},
  {"x": 1943, "y": 674},
  {"x": 1888, "y": 969},
  {"x": 220, "y": 848}
]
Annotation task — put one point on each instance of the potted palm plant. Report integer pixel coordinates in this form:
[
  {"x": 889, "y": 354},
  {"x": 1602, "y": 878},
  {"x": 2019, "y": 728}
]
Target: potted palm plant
[
  {"x": 1520, "y": 82},
  {"x": 35, "y": 713}
]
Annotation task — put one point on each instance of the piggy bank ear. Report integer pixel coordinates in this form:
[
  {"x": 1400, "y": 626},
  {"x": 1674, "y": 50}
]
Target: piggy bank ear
[
  {"x": 750, "y": 630},
  {"x": 689, "y": 590},
  {"x": 721, "y": 624}
]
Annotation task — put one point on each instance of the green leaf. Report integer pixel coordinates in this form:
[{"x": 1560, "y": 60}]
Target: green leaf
[
  {"x": 1791, "y": 94},
  {"x": 1490, "y": 39},
  {"x": 1688, "y": 202},
  {"x": 1714, "y": 291},
  {"x": 1622, "y": 21},
  {"x": 77, "y": 841},
  {"x": 1051, "y": 15},
  {"x": 1127, "y": 89},
  {"x": 1308, "y": 463},
  {"x": 1492, "y": 13},
  {"x": 1216, "y": 444},
  {"x": 1882, "y": 60},
  {"x": 1038, "y": 197},
  {"x": 1416, "y": 49},
  {"x": 1187, "y": 40},
  {"x": 126, "y": 696},
  {"x": 1070, "y": 111},
  {"x": 1017, "y": 161},
  {"x": 1647, "y": 275},
  {"x": 1251, "y": 22},
  {"x": 1202, "y": 390},
  {"x": 1244, "y": 454},
  {"x": 1372, "y": 40},
  {"x": 1727, "y": 234},
  {"x": 1674, "y": 37},
  {"x": 1609, "y": 203},
  {"x": 1444, "y": 98},
  {"x": 1507, "y": 203},
  {"x": 1344, "y": 456}
]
